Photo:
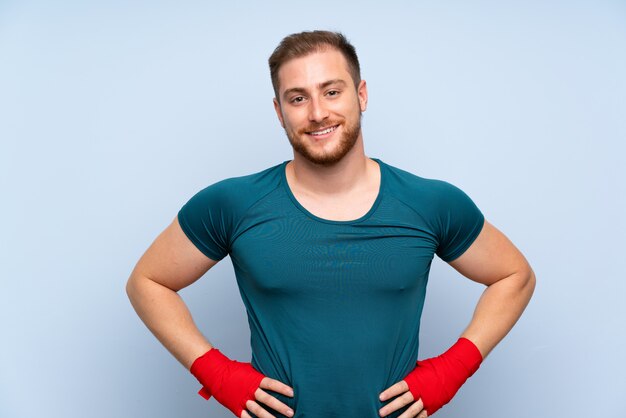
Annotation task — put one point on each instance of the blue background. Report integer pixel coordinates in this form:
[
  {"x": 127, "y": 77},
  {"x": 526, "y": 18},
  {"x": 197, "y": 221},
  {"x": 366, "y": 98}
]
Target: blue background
[{"x": 113, "y": 114}]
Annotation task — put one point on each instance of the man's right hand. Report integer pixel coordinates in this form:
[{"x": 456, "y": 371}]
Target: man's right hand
[
  {"x": 269, "y": 400},
  {"x": 237, "y": 385}
]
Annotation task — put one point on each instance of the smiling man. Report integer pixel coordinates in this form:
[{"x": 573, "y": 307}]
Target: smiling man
[{"x": 332, "y": 252}]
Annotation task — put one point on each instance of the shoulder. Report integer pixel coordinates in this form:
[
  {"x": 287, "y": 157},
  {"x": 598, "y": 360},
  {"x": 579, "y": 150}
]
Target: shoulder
[
  {"x": 242, "y": 190},
  {"x": 227, "y": 201},
  {"x": 209, "y": 218},
  {"x": 413, "y": 189}
]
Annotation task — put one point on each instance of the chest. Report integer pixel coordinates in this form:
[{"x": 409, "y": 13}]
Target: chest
[{"x": 298, "y": 255}]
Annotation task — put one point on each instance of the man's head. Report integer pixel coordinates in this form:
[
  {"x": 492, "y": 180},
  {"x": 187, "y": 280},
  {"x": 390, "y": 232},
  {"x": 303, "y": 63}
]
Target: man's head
[
  {"x": 319, "y": 95},
  {"x": 304, "y": 43}
]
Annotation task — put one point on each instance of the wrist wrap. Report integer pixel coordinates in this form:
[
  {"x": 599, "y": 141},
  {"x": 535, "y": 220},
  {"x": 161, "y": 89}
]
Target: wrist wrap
[
  {"x": 436, "y": 380},
  {"x": 231, "y": 383}
]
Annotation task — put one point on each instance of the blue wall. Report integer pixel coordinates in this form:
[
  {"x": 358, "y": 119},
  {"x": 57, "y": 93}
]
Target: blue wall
[{"x": 113, "y": 115}]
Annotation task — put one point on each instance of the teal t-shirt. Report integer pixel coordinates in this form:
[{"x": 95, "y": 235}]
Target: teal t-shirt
[{"x": 334, "y": 307}]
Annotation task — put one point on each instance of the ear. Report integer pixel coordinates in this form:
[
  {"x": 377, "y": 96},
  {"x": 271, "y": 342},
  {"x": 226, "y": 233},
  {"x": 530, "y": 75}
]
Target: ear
[
  {"x": 279, "y": 112},
  {"x": 362, "y": 93}
]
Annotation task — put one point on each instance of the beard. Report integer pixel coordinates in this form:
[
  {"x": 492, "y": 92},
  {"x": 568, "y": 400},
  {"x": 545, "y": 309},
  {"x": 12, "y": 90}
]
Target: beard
[{"x": 349, "y": 136}]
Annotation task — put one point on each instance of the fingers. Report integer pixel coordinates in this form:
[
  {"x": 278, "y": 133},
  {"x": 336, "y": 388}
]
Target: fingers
[
  {"x": 276, "y": 386},
  {"x": 257, "y": 409},
  {"x": 396, "y": 404},
  {"x": 269, "y": 400},
  {"x": 415, "y": 410},
  {"x": 395, "y": 390},
  {"x": 272, "y": 402}
]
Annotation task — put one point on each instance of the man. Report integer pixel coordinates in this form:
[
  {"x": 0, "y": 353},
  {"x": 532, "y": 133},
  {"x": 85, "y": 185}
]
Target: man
[{"x": 332, "y": 252}]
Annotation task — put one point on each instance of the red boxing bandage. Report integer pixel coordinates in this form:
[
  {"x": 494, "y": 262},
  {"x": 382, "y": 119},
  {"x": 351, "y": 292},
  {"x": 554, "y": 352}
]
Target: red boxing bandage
[
  {"x": 231, "y": 383},
  {"x": 436, "y": 380}
]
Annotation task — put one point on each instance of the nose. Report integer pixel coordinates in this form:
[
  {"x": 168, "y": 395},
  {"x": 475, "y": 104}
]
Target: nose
[{"x": 317, "y": 110}]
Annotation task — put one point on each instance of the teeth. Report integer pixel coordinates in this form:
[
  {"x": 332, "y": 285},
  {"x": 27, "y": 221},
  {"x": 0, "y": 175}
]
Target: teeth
[{"x": 325, "y": 131}]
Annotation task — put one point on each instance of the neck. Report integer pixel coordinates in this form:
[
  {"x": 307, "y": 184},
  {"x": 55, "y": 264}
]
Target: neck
[{"x": 353, "y": 173}]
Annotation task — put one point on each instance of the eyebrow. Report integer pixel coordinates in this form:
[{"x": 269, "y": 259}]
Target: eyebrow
[{"x": 319, "y": 86}]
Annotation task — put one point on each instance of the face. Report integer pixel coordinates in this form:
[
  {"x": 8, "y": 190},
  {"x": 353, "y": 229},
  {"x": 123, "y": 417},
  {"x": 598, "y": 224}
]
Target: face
[{"x": 319, "y": 108}]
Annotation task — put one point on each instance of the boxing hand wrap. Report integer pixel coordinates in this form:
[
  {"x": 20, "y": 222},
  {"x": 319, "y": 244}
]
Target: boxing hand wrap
[
  {"x": 231, "y": 383},
  {"x": 436, "y": 380}
]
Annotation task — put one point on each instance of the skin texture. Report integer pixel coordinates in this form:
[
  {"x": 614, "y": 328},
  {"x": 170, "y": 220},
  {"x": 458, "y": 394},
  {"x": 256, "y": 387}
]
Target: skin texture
[
  {"x": 333, "y": 178},
  {"x": 308, "y": 106},
  {"x": 330, "y": 177}
]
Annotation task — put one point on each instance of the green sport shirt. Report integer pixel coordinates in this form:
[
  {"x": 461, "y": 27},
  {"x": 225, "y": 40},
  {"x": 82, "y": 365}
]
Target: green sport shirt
[{"x": 334, "y": 307}]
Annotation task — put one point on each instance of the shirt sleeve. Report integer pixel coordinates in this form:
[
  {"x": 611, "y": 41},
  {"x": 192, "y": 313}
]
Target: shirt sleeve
[
  {"x": 206, "y": 221},
  {"x": 459, "y": 221}
]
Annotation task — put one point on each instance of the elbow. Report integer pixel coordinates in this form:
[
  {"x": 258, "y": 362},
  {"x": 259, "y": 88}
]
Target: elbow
[
  {"x": 529, "y": 282},
  {"x": 135, "y": 291},
  {"x": 131, "y": 287},
  {"x": 521, "y": 283}
]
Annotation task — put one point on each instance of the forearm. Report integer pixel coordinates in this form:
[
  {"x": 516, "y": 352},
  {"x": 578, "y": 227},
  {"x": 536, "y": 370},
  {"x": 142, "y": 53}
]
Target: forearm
[
  {"x": 498, "y": 309},
  {"x": 168, "y": 318}
]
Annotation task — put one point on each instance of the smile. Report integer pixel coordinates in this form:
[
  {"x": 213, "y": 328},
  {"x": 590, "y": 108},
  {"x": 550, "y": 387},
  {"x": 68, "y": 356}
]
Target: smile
[{"x": 324, "y": 132}]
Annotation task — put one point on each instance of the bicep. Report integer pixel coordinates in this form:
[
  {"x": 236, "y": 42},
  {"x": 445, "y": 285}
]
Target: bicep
[
  {"x": 172, "y": 260},
  {"x": 491, "y": 257}
]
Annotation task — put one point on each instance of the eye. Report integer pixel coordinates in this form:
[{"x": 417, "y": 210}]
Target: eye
[
  {"x": 333, "y": 93},
  {"x": 297, "y": 99}
]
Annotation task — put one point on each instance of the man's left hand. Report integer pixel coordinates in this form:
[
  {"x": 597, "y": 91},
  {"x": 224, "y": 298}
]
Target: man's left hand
[
  {"x": 401, "y": 388},
  {"x": 434, "y": 381}
]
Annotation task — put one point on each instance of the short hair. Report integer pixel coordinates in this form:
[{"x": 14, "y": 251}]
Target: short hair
[{"x": 304, "y": 43}]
